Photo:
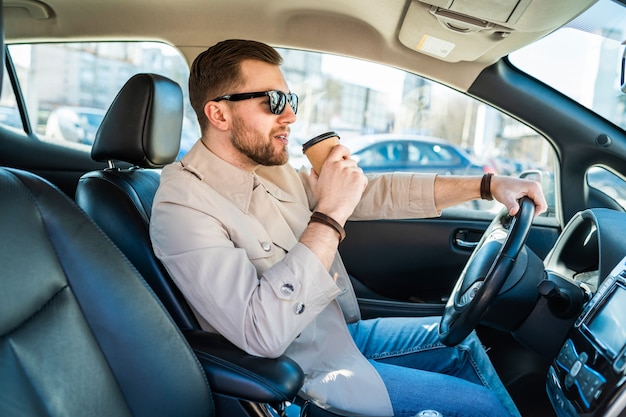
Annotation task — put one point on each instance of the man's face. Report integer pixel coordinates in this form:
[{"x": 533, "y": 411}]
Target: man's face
[{"x": 256, "y": 133}]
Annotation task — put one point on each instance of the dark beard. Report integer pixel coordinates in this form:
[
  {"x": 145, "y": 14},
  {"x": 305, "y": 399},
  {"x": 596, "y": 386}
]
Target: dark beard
[{"x": 255, "y": 146}]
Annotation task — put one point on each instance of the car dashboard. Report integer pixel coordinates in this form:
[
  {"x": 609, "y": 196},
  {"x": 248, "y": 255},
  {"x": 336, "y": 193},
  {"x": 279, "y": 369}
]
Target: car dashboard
[{"x": 587, "y": 376}]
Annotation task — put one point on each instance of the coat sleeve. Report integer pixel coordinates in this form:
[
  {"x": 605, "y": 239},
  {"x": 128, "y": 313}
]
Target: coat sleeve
[{"x": 398, "y": 195}]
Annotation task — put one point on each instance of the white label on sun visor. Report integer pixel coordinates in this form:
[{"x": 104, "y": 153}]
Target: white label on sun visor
[{"x": 435, "y": 46}]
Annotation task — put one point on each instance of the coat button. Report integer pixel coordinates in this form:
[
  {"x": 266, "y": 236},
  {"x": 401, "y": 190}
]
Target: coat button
[
  {"x": 266, "y": 246},
  {"x": 299, "y": 308},
  {"x": 286, "y": 289}
]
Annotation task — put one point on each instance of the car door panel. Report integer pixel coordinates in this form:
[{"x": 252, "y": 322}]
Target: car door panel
[
  {"x": 408, "y": 267},
  {"x": 60, "y": 165}
]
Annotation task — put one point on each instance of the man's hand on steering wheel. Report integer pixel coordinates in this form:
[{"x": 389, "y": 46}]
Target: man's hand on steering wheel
[{"x": 509, "y": 190}]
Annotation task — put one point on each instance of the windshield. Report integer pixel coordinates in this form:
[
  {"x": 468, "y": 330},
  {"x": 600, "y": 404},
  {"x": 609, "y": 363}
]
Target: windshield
[{"x": 583, "y": 60}]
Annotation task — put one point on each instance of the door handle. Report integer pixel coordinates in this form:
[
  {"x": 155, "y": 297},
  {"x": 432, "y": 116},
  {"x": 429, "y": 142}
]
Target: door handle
[{"x": 467, "y": 239}]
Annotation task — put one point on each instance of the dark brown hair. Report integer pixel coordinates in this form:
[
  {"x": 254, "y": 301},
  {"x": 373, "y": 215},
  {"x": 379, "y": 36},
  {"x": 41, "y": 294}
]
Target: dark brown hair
[{"x": 218, "y": 70}]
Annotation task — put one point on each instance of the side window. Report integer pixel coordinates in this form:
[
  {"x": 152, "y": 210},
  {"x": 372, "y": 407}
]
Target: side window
[
  {"x": 9, "y": 113},
  {"x": 609, "y": 183},
  {"x": 377, "y": 109},
  {"x": 67, "y": 87}
]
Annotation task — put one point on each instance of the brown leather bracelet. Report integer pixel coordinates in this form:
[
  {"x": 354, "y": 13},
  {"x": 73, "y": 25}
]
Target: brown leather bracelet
[
  {"x": 485, "y": 187},
  {"x": 328, "y": 221}
]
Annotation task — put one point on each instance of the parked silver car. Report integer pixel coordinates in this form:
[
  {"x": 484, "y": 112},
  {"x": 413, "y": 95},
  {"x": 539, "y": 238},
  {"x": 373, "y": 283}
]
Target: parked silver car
[
  {"x": 74, "y": 124},
  {"x": 417, "y": 153}
]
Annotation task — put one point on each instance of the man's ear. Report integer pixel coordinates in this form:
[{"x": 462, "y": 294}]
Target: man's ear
[{"x": 217, "y": 114}]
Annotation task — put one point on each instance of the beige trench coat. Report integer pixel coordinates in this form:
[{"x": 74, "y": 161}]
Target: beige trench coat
[{"x": 229, "y": 239}]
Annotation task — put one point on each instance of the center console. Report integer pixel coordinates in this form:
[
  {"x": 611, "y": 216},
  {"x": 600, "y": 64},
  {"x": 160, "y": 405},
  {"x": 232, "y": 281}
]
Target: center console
[{"x": 587, "y": 377}]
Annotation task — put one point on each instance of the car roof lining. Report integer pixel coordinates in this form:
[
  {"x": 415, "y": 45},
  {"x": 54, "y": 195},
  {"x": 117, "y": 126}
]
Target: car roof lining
[{"x": 370, "y": 29}]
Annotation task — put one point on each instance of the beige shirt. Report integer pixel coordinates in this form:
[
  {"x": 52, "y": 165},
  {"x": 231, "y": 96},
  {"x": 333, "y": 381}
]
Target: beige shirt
[{"x": 229, "y": 239}]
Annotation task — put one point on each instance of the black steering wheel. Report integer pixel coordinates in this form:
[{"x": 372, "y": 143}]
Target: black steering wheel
[{"x": 485, "y": 273}]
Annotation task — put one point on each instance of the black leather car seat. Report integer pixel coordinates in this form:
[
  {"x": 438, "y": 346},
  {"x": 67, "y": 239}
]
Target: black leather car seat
[
  {"x": 81, "y": 334},
  {"x": 142, "y": 128}
]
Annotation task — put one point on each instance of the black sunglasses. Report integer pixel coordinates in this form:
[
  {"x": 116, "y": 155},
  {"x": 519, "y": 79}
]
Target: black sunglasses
[{"x": 278, "y": 99}]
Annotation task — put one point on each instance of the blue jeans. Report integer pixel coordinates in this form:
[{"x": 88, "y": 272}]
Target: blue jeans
[{"x": 421, "y": 373}]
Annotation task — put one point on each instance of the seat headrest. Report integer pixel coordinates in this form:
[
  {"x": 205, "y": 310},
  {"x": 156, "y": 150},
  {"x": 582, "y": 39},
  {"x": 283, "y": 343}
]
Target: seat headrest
[{"x": 143, "y": 124}]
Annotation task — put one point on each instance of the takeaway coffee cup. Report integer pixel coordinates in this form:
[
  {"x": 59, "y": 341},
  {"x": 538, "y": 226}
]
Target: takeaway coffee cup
[{"x": 318, "y": 148}]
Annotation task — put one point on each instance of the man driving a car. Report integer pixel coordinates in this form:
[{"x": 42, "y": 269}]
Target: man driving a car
[{"x": 253, "y": 245}]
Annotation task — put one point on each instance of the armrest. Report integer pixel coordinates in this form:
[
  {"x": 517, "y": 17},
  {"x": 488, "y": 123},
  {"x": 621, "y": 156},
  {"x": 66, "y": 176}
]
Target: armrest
[{"x": 235, "y": 373}]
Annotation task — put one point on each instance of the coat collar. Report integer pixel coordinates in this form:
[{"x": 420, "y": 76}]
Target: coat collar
[{"x": 230, "y": 181}]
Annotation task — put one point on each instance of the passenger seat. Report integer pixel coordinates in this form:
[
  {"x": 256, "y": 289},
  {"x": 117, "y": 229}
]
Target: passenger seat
[{"x": 80, "y": 332}]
